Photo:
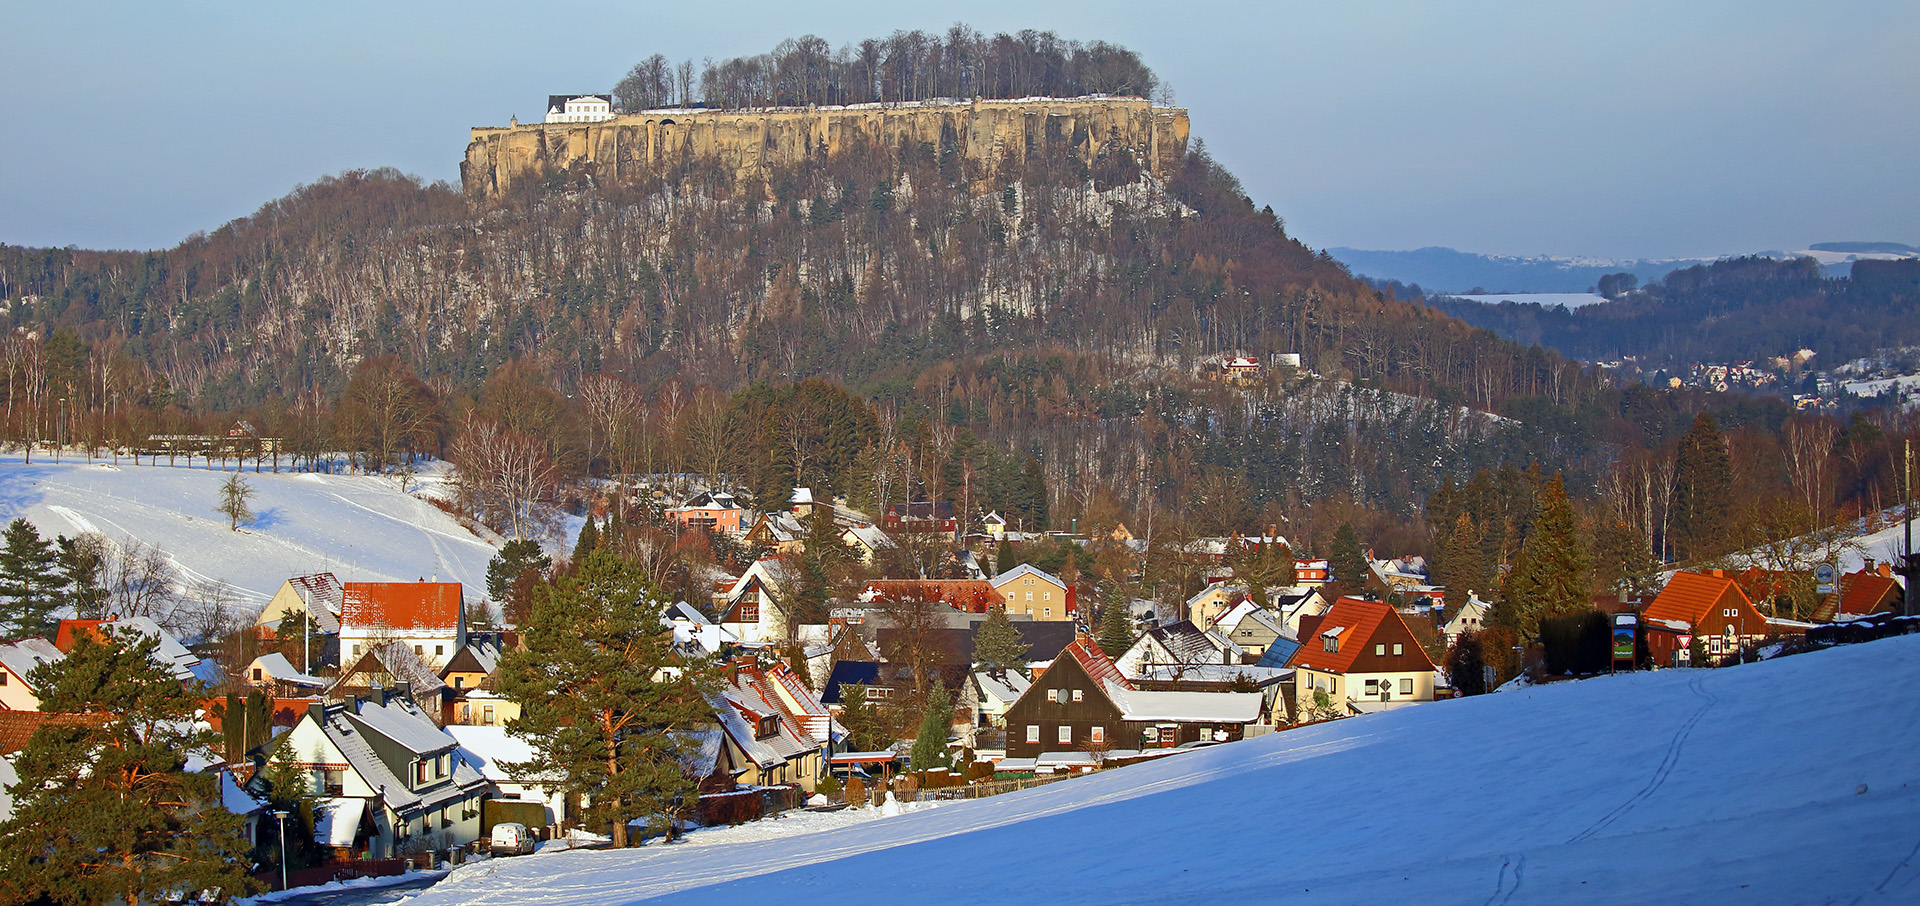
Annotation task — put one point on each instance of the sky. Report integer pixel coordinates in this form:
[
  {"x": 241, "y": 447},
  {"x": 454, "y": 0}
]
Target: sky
[{"x": 1623, "y": 129}]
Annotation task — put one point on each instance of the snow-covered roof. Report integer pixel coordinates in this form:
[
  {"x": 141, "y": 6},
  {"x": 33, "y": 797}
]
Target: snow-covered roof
[
  {"x": 276, "y": 666},
  {"x": 1026, "y": 569},
  {"x": 801, "y": 497},
  {"x": 24, "y": 656},
  {"x": 1217, "y": 673},
  {"x": 336, "y": 821},
  {"x": 171, "y": 654},
  {"x": 1215, "y": 707},
  {"x": 486, "y": 748},
  {"x": 1004, "y": 687},
  {"x": 233, "y": 798},
  {"x": 402, "y": 721}
]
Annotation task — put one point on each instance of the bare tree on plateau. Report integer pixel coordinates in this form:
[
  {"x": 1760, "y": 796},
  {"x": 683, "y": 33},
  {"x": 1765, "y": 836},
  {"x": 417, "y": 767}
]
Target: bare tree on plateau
[{"x": 234, "y": 494}]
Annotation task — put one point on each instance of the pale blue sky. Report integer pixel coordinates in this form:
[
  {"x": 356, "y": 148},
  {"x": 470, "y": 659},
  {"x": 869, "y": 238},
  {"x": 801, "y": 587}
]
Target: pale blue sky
[{"x": 1615, "y": 129}]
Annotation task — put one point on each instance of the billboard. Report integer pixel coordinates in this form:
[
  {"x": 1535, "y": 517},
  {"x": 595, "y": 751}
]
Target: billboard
[{"x": 1625, "y": 628}]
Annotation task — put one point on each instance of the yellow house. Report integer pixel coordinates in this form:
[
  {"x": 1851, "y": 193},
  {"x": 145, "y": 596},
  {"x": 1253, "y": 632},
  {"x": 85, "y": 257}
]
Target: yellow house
[
  {"x": 1037, "y": 594},
  {"x": 318, "y": 595}
]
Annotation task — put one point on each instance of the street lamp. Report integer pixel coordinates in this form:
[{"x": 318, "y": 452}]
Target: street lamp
[{"x": 283, "y": 848}]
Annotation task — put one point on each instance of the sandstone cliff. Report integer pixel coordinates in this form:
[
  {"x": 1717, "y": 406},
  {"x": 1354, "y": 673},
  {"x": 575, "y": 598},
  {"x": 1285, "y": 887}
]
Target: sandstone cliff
[{"x": 988, "y": 132}]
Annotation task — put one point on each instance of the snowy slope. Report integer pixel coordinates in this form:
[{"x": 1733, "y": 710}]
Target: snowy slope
[
  {"x": 1740, "y": 785},
  {"x": 359, "y": 527}
]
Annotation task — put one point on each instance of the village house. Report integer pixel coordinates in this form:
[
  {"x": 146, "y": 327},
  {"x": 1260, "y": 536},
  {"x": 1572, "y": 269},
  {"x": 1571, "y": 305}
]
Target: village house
[
  {"x": 994, "y": 691},
  {"x": 1178, "y": 647},
  {"x": 964, "y": 595},
  {"x": 429, "y": 617},
  {"x": 487, "y": 749},
  {"x": 754, "y": 609},
  {"x": 387, "y": 666},
  {"x": 1035, "y": 593},
  {"x": 866, "y": 541},
  {"x": 1363, "y": 657},
  {"x": 1295, "y": 603},
  {"x": 1471, "y": 617},
  {"x": 16, "y": 727},
  {"x": 711, "y": 511},
  {"x": 782, "y": 533},
  {"x": 317, "y": 595},
  {"x": 1708, "y": 605},
  {"x": 1207, "y": 604},
  {"x": 389, "y": 780},
  {"x": 277, "y": 675},
  {"x": 18, "y": 660},
  {"x": 920, "y": 517},
  {"x": 1312, "y": 573},
  {"x": 1082, "y": 703},
  {"x": 1861, "y": 594},
  {"x": 186, "y": 666},
  {"x": 773, "y": 713},
  {"x": 1250, "y": 626}
]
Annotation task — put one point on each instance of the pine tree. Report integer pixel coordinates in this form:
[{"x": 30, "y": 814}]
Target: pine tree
[
  {"x": 606, "y": 699},
  {"x": 1349, "y": 560},
  {"x": 863, "y": 723},
  {"x": 1550, "y": 578},
  {"x": 29, "y": 582},
  {"x": 997, "y": 644},
  {"x": 515, "y": 557},
  {"x": 587, "y": 543},
  {"x": 930, "y": 744},
  {"x": 1466, "y": 666},
  {"x": 1702, "y": 492},
  {"x": 105, "y": 809},
  {"x": 288, "y": 788},
  {"x": 1460, "y": 570},
  {"x": 1116, "y": 628}
]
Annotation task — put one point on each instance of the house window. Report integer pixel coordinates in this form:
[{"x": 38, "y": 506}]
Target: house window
[
  {"x": 1029, "y": 594},
  {"x": 1046, "y": 612},
  {"x": 1076, "y": 695},
  {"x": 1330, "y": 643},
  {"x": 459, "y": 682},
  {"x": 439, "y": 650},
  {"x": 749, "y": 613},
  {"x": 1053, "y": 695},
  {"x": 1379, "y": 650},
  {"x": 256, "y": 674},
  {"x": 1066, "y": 735},
  {"x": 419, "y": 650},
  {"x": 1097, "y": 735},
  {"x": 1373, "y": 687},
  {"x": 356, "y": 650},
  {"x": 440, "y": 765},
  {"x": 1033, "y": 732},
  {"x": 1396, "y": 649},
  {"x": 419, "y": 773},
  {"x": 486, "y": 716},
  {"x": 1406, "y": 685},
  {"x": 3, "y": 677},
  {"x": 1046, "y": 596}
]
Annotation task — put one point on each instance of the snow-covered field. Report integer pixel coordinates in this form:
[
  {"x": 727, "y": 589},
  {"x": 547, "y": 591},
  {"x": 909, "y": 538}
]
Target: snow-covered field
[
  {"x": 1790, "y": 781},
  {"x": 1570, "y": 300},
  {"x": 362, "y": 528}
]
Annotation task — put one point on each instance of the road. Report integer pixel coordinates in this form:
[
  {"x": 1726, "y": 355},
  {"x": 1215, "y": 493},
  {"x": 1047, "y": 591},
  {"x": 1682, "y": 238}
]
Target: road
[{"x": 362, "y": 896}]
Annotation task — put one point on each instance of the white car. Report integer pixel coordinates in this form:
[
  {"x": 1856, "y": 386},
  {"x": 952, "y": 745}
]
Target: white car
[{"x": 511, "y": 839}]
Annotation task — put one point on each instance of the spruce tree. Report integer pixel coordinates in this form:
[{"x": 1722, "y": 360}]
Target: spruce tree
[
  {"x": 1551, "y": 577},
  {"x": 82, "y": 560},
  {"x": 1702, "y": 492},
  {"x": 930, "y": 744},
  {"x": 606, "y": 699},
  {"x": 287, "y": 786},
  {"x": 29, "y": 582},
  {"x": 587, "y": 543},
  {"x": 997, "y": 644},
  {"x": 1466, "y": 665},
  {"x": 863, "y": 723},
  {"x": 105, "y": 809},
  {"x": 1116, "y": 628},
  {"x": 1349, "y": 560}
]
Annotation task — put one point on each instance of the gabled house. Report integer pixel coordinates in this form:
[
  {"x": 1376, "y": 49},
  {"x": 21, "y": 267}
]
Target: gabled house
[
  {"x": 773, "y": 713},
  {"x": 317, "y": 595},
  {"x": 1363, "y": 657},
  {"x": 711, "y": 511},
  {"x": 754, "y": 609},
  {"x": 390, "y": 781},
  {"x": 921, "y": 517},
  {"x": 783, "y": 533},
  {"x": 1249, "y": 626},
  {"x": 994, "y": 691},
  {"x": 1314, "y": 573},
  {"x": 488, "y": 749},
  {"x": 186, "y": 666},
  {"x": 18, "y": 660},
  {"x": 388, "y": 666},
  {"x": 273, "y": 672},
  {"x": 1861, "y": 594},
  {"x": 579, "y": 108},
  {"x": 1210, "y": 602},
  {"x": 472, "y": 665},
  {"x": 1082, "y": 703},
  {"x": 1471, "y": 617},
  {"x": 1035, "y": 593},
  {"x": 1711, "y": 606},
  {"x": 866, "y": 541},
  {"x": 1176, "y": 647},
  {"x": 429, "y": 617},
  {"x": 1295, "y": 603},
  {"x": 16, "y": 727}
]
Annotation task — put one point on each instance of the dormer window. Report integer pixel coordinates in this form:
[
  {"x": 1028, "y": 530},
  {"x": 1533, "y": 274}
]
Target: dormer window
[{"x": 768, "y": 727}]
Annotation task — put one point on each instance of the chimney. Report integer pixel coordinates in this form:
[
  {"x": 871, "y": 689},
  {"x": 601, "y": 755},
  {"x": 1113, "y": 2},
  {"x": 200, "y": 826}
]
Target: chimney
[{"x": 1885, "y": 570}]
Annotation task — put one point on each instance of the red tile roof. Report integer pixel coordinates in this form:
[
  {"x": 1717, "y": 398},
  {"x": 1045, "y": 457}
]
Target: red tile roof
[
  {"x": 966, "y": 595},
  {"x": 1860, "y": 594},
  {"x": 16, "y": 727},
  {"x": 401, "y": 606},
  {"x": 1098, "y": 666},
  {"x": 1691, "y": 598},
  {"x": 1355, "y": 619}
]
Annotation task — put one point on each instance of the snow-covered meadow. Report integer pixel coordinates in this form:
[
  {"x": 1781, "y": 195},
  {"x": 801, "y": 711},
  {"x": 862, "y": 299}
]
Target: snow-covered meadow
[
  {"x": 1790, "y": 781},
  {"x": 361, "y": 528}
]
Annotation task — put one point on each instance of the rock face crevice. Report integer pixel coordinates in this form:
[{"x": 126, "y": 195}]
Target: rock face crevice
[{"x": 988, "y": 133}]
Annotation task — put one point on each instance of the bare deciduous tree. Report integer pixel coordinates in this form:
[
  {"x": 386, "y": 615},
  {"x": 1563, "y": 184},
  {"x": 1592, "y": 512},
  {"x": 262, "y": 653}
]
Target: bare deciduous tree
[{"x": 505, "y": 476}]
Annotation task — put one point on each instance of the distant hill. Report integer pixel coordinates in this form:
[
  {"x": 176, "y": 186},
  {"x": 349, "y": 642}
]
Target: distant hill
[
  {"x": 1866, "y": 248},
  {"x": 1443, "y": 270}
]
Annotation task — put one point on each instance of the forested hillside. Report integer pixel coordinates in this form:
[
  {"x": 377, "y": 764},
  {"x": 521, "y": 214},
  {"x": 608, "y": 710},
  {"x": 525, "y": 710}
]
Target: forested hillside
[
  {"x": 1738, "y": 309},
  {"x": 883, "y": 323}
]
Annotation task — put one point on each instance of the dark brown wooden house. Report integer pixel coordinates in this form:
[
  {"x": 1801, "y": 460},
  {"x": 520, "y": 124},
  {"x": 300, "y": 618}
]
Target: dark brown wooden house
[{"x": 1083, "y": 704}]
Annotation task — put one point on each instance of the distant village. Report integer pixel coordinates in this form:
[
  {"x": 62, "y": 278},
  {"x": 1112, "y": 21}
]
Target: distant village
[{"x": 386, "y": 695}]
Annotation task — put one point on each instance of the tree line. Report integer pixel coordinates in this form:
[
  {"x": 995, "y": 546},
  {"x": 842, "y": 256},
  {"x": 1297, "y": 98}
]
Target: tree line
[{"x": 905, "y": 66}]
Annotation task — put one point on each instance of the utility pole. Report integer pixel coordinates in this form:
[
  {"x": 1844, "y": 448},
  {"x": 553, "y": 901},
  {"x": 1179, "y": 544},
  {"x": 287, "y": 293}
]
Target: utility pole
[{"x": 1910, "y": 565}]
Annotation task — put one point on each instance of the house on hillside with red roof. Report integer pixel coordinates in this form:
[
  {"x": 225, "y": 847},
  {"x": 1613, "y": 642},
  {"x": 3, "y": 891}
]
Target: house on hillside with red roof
[
  {"x": 1710, "y": 605},
  {"x": 1363, "y": 657},
  {"x": 18, "y": 660},
  {"x": 1861, "y": 594},
  {"x": 963, "y": 595},
  {"x": 1082, "y": 703},
  {"x": 429, "y": 617}
]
